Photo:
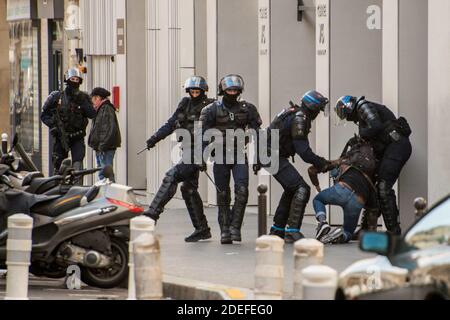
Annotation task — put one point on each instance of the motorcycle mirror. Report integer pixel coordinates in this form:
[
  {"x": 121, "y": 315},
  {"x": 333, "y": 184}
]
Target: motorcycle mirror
[{"x": 108, "y": 172}]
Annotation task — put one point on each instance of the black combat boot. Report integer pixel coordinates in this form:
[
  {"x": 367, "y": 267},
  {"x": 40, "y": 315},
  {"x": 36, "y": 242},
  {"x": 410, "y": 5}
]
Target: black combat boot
[
  {"x": 194, "y": 205},
  {"x": 369, "y": 222},
  {"x": 223, "y": 201},
  {"x": 276, "y": 231},
  {"x": 240, "y": 203},
  {"x": 296, "y": 212},
  {"x": 389, "y": 209}
]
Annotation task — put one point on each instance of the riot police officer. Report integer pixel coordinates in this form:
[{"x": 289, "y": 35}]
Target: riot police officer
[
  {"x": 66, "y": 113},
  {"x": 231, "y": 114},
  {"x": 389, "y": 137},
  {"x": 185, "y": 116},
  {"x": 294, "y": 125}
]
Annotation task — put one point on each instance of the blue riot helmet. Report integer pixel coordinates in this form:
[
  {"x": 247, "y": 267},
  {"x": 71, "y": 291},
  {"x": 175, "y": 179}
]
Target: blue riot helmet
[
  {"x": 345, "y": 106},
  {"x": 196, "y": 82},
  {"x": 231, "y": 82},
  {"x": 315, "y": 102}
]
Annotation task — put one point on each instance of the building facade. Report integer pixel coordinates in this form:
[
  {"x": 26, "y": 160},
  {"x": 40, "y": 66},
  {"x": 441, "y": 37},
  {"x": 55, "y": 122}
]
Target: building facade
[{"x": 392, "y": 51}]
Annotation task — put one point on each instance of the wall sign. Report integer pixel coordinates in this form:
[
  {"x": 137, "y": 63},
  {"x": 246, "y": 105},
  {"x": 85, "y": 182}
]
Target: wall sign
[{"x": 20, "y": 10}]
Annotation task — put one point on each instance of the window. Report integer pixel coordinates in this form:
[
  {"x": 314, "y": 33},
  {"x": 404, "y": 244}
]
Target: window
[{"x": 433, "y": 230}]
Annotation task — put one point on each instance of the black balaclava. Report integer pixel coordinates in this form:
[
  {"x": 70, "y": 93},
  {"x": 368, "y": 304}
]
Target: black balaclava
[
  {"x": 72, "y": 87},
  {"x": 230, "y": 100},
  {"x": 353, "y": 116},
  {"x": 312, "y": 114},
  {"x": 198, "y": 99}
]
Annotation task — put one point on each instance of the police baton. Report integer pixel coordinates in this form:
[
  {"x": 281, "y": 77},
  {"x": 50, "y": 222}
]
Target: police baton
[
  {"x": 212, "y": 181},
  {"x": 142, "y": 151}
]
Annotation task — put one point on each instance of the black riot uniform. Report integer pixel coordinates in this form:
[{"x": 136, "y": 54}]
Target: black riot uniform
[
  {"x": 66, "y": 113},
  {"x": 185, "y": 116},
  {"x": 390, "y": 138},
  {"x": 231, "y": 114},
  {"x": 294, "y": 125}
]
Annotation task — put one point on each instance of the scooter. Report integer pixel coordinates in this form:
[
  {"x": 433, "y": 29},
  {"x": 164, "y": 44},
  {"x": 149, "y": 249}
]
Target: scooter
[
  {"x": 25, "y": 176},
  {"x": 87, "y": 227}
]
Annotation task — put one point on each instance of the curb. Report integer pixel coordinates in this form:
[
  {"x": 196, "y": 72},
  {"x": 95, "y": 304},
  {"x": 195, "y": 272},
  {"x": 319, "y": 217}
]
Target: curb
[{"x": 185, "y": 289}]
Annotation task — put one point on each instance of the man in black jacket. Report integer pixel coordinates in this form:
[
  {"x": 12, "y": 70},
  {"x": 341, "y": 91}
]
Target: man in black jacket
[
  {"x": 184, "y": 119},
  {"x": 66, "y": 113},
  {"x": 105, "y": 133},
  {"x": 389, "y": 137}
]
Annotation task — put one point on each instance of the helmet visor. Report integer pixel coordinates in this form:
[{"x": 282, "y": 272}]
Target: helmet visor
[
  {"x": 196, "y": 83},
  {"x": 232, "y": 82}
]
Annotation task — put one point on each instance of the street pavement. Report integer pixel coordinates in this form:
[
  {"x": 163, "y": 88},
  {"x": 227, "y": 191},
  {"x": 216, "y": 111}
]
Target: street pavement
[
  {"x": 208, "y": 261},
  {"x": 233, "y": 265}
]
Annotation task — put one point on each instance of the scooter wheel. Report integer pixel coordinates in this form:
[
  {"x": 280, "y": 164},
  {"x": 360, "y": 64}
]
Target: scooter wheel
[{"x": 113, "y": 276}]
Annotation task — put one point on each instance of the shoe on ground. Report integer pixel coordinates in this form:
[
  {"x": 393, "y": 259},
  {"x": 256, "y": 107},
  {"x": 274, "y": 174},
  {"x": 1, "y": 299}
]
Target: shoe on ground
[
  {"x": 292, "y": 237},
  {"x": 235, "y": 234},
  {"x": 322, "y": 230},
  {"x": 336, "y": 236},
  {"x": 274, "y": 231},
  {"x": 198, "y": 235},
  {"x": 225, "y": 237}
]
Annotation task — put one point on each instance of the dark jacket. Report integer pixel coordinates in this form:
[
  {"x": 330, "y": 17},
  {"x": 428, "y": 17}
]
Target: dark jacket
[
  {"x": 105, "y": 132},
  {"x": 74, "y": 111}
]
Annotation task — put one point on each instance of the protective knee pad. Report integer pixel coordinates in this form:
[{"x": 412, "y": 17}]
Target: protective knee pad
[
  {"x": 194, "y": 205},
  {"x": 388, "y": 206},
  {"x": 166, "y": 191},
  {"x": 298, "y": 205}
]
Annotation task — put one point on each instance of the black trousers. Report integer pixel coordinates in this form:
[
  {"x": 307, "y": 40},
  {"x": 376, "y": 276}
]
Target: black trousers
[
  {"x": 77, "y": 150},
  {"x": 291, "y": 180}
]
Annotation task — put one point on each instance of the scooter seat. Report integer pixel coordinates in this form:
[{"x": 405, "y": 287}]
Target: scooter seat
[
  {"x": 41, "y": 185},
  {"x": 69, "y": 201}
]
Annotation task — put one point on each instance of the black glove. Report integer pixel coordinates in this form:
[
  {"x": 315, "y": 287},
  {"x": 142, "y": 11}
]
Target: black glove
[
  {"x": 256, "y": 168},
  {"x": 55, "y": 132},
  {"x": 202, "y": 167},
  {"x": 151, "y": 143},
  {"x": 324, "y": 166}
]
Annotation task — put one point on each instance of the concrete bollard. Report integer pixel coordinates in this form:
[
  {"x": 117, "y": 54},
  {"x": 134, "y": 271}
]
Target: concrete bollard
[
  {"x": 18, "y": 248},
  {"x": 269, "y": 273},
  {"x": 307, "y": 252},
  {"x": 319, "y": 283},
  {"x": 147, "y": 268},
  {"x": 262, "y": 210},
  {"x": 138, "y": 226}
]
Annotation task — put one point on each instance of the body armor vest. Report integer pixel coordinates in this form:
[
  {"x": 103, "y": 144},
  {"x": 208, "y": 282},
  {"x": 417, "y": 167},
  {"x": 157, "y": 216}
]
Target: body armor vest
[
  {"x": 287, "y": 148},
  {"x": 235, "y": 118},
  {"x": 72, "y": 116},
  {"x": 191, "y": 113}
]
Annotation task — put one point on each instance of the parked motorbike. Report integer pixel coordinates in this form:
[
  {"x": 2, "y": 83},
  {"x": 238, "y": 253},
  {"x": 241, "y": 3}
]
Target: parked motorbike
[
  {"x": 25, "y": 176},
  {"x": 87, "y": 226}
]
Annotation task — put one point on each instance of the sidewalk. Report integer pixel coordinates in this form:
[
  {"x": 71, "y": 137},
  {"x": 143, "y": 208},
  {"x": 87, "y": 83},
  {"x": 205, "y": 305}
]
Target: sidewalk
[
  {"x": 208, "y": 261},
  {"x": 232, "y": 265}
]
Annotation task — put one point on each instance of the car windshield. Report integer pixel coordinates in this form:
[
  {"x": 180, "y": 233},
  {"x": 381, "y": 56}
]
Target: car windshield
[{"x": 433, "y": 230}]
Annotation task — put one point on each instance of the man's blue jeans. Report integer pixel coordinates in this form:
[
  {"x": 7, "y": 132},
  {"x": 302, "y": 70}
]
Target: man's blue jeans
[
  {"x": 104, "y": 159},
  {"x": 345, "y": 198}
]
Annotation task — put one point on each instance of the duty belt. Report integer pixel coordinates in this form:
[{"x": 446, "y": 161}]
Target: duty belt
[{"x": 75, "y": 134}]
